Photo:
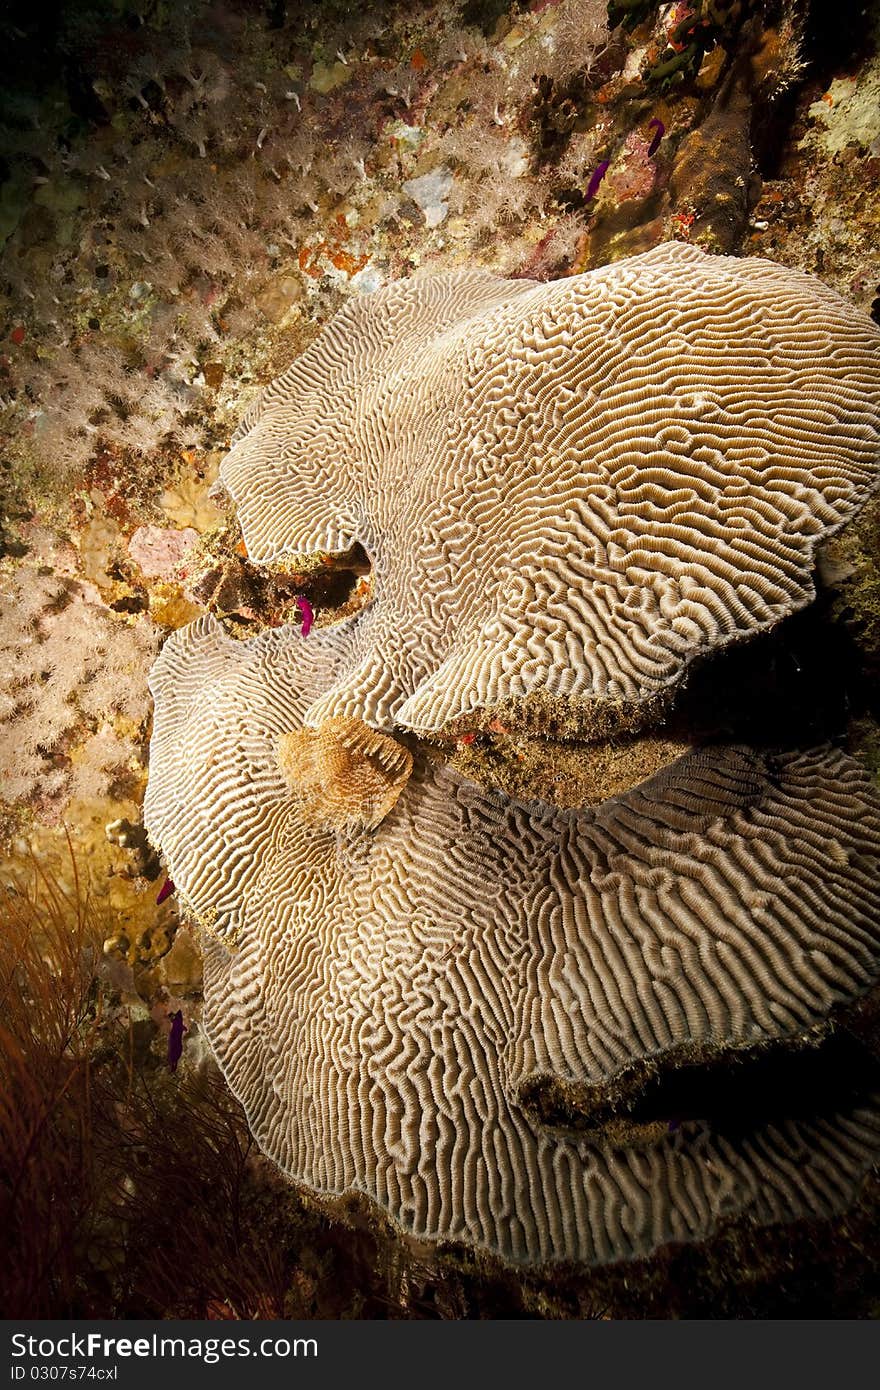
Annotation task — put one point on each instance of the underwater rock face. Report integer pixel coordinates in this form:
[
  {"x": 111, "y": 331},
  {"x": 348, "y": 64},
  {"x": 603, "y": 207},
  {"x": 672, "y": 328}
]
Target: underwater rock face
[
  {"x": 388, "y": 1005},
  {"x": 66, "y": 662},
  {"x": 567, "y": 489}
]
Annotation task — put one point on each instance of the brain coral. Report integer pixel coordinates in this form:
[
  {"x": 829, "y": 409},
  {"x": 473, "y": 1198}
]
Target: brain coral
[
  {"x": 569, "y": 488},
  {"x": 390, "y": 1006}
]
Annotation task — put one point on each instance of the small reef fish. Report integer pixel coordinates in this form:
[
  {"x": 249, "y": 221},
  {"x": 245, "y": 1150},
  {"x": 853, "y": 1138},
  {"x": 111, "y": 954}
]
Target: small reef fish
[
  {"x": 596, "y": 178},
  {"x": 175, "y": 1040},
  {"x": 308, "y": 615},
  {"x": 659, "y": 132},
  {"x": 165, "y": 891}
]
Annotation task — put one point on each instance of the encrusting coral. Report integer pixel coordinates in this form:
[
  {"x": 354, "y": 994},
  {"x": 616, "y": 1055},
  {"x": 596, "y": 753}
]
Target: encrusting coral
[
  {"x": 70, "y": 690},
  {"x": 396, "y": 1009},
  {"x": 568, "y": 489}
]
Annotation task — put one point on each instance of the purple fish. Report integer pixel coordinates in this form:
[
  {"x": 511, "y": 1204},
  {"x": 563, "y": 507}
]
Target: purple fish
[
  {"x": 165, "y": 891},
  {"x": 596, "y": 178},
  {"x": 656, "y": 138},
  {"x": 175, "y": 1040},
  {"x": 308, "y": 615}
]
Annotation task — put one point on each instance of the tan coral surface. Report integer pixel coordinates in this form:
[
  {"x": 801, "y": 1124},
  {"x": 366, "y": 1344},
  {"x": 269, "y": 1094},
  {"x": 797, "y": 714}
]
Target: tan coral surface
[
  {"x": 391, "y": 996},
  {"x": 570, "y": 488}
]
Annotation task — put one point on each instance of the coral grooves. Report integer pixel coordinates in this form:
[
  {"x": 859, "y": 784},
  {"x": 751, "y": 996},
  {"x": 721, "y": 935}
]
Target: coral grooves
[
  {"x": 495, "y": 1016},
  {"x": 567, "y": 489},
  {"x": 408, "y": 1012}
]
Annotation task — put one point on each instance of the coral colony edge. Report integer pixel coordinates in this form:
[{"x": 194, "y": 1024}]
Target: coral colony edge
[{"x": 493, "y": 1015}]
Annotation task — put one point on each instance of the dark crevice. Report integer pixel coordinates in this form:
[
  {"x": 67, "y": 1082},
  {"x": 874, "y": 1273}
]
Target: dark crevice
[
  {"x": 798, "y": 684},
  {"x": 835, "y": 38},
  {"x": 733, "y": 1092},
  {"x": 838, "y": 34}
]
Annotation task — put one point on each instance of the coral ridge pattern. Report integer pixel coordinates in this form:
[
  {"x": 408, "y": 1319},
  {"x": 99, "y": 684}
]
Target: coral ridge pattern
[
  {"x": 569, "y": 488},
  {"x": 388, "y": 1003}
]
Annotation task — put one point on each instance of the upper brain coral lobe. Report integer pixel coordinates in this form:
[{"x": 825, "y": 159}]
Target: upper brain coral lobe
[{"x": 568, "y": 489}]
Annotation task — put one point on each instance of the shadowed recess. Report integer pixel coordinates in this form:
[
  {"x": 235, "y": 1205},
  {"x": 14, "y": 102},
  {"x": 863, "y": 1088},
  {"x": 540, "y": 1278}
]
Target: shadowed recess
[{"x": 733, "y": 1092}]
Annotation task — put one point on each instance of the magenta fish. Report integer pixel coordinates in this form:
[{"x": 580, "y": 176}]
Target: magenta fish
[
  {"x": 175, "y": 1040},
  {"x": 308, "y": 615},
  {"x": 596, "y": 178},
  {"x": 165, "y": 891},
  {"x": 660, "y": 131}
]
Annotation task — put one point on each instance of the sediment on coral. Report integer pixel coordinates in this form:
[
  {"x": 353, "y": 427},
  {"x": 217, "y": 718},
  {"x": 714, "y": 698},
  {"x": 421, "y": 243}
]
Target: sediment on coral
[{"x": 568, "y": 773}]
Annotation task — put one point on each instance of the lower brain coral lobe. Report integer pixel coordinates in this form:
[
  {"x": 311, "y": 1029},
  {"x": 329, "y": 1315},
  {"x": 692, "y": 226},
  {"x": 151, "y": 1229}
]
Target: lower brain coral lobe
[{"x": 487, "y": 1015}]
